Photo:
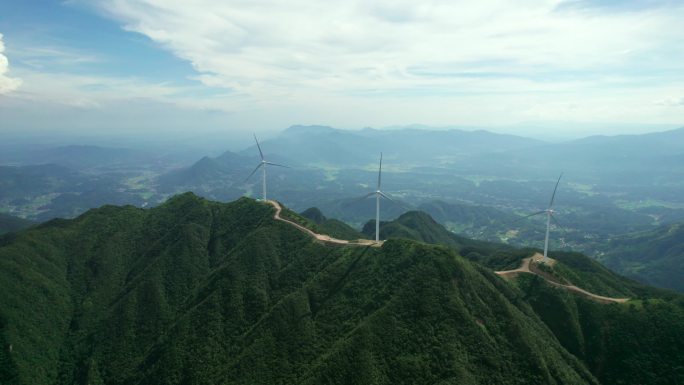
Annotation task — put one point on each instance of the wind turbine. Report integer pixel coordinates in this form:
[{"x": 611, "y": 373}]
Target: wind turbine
[
  {"x": 262, "y": 164},
  {"x": 549, "y": 215},
  {"x": 378, "y": 193}
]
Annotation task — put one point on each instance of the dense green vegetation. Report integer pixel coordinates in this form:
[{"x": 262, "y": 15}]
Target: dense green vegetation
[
  {"x": 420, "y": 226},
  {"x": 475, "y": 183},
  {"x": 639, "y": 342},
  {"x": 654, "y": 257},
  {"x": 199, "y": 292},
  {"x": 571, "y": 268},
  {"x": 333, "y": 227},
  {"x": 636, "y": 342}
]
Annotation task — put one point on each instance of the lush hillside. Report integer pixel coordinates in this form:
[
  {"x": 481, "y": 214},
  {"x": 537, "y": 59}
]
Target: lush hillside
[
  {"x": 332, "y": 227},
  {"x": 314, "y": 214},
  {"x": 654, "y": 257},
  {"x": 9, "y": 223},
  {"x": 418, "y": 226},
  {"x": 571, "y": 267},
  {"x": 639, "y": 342},
  {"x": 200, "y": 292}
]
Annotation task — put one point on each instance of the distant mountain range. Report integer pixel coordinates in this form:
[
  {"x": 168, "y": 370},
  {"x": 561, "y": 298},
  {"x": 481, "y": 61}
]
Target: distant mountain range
[
  {"x": 195, "y": 291},
  {"x": 627, "y": 166},
  {"x": 95, "y": 157},
  {"x": 79, "y": 157},
  {"x": 329, "y": 146},
  {"x": 477, "y": 151},
  {"x": 475, "y": 183}
]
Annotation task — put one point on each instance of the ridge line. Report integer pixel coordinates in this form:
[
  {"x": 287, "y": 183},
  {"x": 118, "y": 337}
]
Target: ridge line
[{"x": 321, "y": 237}]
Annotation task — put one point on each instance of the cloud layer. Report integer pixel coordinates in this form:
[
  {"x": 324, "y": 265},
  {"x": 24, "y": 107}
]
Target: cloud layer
[
  {"x": 354, "y": 63},
  {"x": 7, "y": 84},
  {"x": 266, "y": 48}
]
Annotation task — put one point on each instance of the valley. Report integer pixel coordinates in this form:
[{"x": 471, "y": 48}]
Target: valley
[{"x": 477, "y": 184}]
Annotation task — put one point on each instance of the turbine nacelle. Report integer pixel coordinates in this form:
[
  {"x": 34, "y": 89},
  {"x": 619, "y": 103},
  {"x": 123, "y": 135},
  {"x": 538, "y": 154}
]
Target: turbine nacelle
[
  {"x": 549, "y": 216},
  {"x": 262, "y": 164},
  {"x": 378, "y": 193}
]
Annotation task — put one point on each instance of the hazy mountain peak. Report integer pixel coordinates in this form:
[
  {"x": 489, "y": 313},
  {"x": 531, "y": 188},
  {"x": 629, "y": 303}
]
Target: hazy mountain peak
[
  {"x": 314, "y": 214},
  {"x": 308, "y": 129}
]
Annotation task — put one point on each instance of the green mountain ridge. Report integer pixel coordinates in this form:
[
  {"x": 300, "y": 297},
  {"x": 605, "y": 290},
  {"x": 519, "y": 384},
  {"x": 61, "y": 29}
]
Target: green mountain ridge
[
  {"x": 333, "y": 227},
  {"x": 574, "y": 268},
  {"x": 201, "y": 292},
  {"x": 653, "y": 257},
  {"x": 638, "y": 342}
]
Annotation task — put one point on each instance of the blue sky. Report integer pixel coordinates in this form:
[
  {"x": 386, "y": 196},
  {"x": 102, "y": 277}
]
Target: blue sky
[{"x": 527, "y": 67}]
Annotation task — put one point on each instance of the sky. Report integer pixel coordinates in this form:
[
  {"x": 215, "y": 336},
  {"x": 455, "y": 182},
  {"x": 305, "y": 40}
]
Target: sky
[{"x": 527, "y": 67}]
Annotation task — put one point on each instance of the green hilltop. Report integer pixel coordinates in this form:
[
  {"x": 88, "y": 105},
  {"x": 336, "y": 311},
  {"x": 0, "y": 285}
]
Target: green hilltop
[
  {"x": 637, "y": 342},
  {"x": 200, "y": 292},
  {"x": 333, "y": 227}
]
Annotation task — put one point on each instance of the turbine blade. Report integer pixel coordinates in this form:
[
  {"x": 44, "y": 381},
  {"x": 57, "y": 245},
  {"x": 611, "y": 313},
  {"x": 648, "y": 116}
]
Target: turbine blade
[
  {"x": 396, "y": 202},
  {"x": 387, "y": 197},
  {"x": 359, "y": 199},
  {"x": 255, "y": 170},
  {"x": 259, "y": 147},
  {"x": 527, "y": 216},
  {"x": 276, "y": 164},
  {"x": 555, "y": 222},
  {"x": 554, "y": 191},
  {"x": 380, "y": 172}
]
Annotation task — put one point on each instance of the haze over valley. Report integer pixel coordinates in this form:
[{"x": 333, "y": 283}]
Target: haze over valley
[
  {"x": 475, "y": 183},
  {"x": 346, "y": 192}
]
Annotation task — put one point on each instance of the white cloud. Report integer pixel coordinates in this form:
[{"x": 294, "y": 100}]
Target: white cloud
[
  {"x": 95, "y": 92},
  {"x": 355, "y": 63},
  {"x": 272, "y": 48},
  {"x": 670, "y": 102},
  {"x": 7, "y": 84},
  {"x": 52, "y": 58}
]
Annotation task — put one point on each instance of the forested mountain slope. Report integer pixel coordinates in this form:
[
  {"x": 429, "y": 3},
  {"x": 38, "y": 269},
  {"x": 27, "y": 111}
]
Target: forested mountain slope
[
  {"x": 639, "y": 342},
  {"x": 200, "y": 292}
]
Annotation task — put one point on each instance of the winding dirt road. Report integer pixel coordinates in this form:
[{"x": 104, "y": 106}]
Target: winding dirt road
[
  {"x": 524, "y": 266},
  {"x": 322, "y": 237},
  {"x": 526, "y": 269}
]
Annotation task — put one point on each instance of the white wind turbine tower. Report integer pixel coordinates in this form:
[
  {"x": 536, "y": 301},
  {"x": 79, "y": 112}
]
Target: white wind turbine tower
[
  {"x": 262, "y": 164},
  {"x": 378, "y": 193},
  {"x": 549, "y": 215}
]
